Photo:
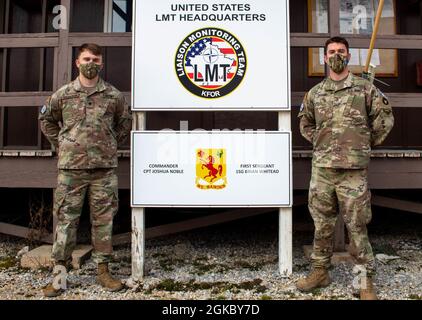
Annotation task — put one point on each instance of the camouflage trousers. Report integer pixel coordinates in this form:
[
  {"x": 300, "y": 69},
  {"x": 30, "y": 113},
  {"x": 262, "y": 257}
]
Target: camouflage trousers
[
  {"x": 345, "y": 191},
  {"x": 100, "y": 185}
]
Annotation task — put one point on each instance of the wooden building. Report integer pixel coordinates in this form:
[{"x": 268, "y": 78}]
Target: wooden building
[{"x": 36, "y": 59}]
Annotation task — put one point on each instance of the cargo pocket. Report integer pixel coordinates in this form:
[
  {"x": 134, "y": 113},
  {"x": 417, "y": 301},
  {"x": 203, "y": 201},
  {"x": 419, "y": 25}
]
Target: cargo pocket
[
  {"x": 362, "y": 211},
  {"x": 59, "y": 198}
]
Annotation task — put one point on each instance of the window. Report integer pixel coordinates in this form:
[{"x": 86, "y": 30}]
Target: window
[{"x": 118, "y": 16}]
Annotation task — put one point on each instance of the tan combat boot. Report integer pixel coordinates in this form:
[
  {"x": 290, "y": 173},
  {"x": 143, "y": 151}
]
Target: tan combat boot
[
  {"x": 56, "y": 289},
  {"x": 50, "y": 291},
  {"x": 318, "y": 278},
  {"x": 105, "y": 279},
  {"x": 367, "y": 290}
]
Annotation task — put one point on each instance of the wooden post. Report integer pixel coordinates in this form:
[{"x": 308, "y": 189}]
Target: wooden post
[
  {"x": 334, "y": 18},
  {"x": 285, "y": 243},
  {"x": 4, "y": 74},
  {"x": 138, "y": 219},
  {"x": 64, "y": 63},
  {"x": 41, "y": 81},
  {"x": 138, "y": 243}
]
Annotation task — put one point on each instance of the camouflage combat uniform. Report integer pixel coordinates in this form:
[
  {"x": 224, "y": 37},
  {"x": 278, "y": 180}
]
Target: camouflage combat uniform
[
  {"x": 85, "y": 127},
  {"x": 343, "y": 120}
]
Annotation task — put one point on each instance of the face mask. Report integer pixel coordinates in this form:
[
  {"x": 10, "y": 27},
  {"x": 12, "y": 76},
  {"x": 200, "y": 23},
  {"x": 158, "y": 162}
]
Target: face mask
[
  {"x": 90, "y": 70},
  {"x": 338, "y": 63}
]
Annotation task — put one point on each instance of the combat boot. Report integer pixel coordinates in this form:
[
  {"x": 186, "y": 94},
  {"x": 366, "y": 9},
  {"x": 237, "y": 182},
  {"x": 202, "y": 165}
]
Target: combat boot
[
  {"x": 55, "y": 288},
  {"x": 367, "y": 289},
  {"x": 318, "y": 278},
  {"x": 105, "y": 279}
]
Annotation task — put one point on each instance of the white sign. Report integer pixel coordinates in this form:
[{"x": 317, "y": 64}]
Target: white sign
[
  {"x": 214, "y": 55},
  {"x": 211, "y": 169}
]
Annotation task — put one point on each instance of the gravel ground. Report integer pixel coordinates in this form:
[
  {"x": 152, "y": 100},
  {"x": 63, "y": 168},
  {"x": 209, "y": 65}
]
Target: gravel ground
[{"x": 226, "y": 262}]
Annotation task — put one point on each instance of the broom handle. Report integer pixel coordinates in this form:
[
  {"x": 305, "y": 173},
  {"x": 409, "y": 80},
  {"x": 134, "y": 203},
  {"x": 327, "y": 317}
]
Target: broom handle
[{"x": 374, "y": 35}]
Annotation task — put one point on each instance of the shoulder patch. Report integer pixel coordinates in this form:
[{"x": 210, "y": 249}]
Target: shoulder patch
[
  {"x": 384, "y": 98},
  {"x": 43, "y": 109}
]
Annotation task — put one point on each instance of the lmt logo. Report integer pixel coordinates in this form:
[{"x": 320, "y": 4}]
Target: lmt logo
[{"x": 210, "y": 63}]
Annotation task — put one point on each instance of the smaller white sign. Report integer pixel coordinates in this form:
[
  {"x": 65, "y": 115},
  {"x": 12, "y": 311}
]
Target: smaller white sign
[{"x": 211, "y": 169}]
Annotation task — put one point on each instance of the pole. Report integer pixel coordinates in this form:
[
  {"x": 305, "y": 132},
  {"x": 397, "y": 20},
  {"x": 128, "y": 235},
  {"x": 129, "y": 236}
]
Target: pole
[
  {"x": 374, "y": 35},
  {"x": 138, "y": 220},
  {"x": 285, "y": 218}
]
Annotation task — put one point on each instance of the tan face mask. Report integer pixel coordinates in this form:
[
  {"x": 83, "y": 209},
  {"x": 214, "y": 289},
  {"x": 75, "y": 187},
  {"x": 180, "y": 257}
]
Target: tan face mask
[
  {"x": 338, "y": 63},
  {"x": 90, "y": 70}
]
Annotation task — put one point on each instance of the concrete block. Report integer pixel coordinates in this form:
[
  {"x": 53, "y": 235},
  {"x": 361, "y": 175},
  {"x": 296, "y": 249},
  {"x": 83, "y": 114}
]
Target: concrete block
[
  {"x": 41, "y": 257},
  {"x": 338, "y": 257}
]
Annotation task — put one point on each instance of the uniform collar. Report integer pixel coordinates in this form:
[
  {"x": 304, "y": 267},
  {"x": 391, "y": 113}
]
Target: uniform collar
[
  {"x": 330, "y": 85},
  {"x": 100, "y": 87}
]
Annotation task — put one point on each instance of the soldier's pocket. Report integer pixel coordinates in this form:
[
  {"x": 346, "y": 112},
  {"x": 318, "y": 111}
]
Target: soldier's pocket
[
  {"x": 73, "y": 111},
  {"x": 363, "y": 209},
  {"x": 355, "y": 110},
  {"x": 59, "y": 198},
  {"x": 323, "y": 113}
]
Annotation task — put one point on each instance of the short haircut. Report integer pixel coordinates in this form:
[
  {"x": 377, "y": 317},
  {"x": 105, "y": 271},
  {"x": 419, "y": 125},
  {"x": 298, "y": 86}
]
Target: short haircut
[
  {"x": 92, "y": 47},
  {"x": 336, "y": 40}
]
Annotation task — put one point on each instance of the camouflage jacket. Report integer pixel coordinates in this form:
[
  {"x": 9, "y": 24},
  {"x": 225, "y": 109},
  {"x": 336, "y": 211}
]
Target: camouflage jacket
[
  {"x": 86, "y": 128},
  {"x": 344, "y": 120}
]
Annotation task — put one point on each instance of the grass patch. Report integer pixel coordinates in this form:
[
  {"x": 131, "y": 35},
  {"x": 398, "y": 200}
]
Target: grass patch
[
  {"x": 316, "y": 292},
  {"x": 168, "y": 264},
  {"x": 415, "y": 297},
  {"x": 253, "y": 266},
  {"x": 250, "y": 266},
  {"x": 265, "y": 297},
  {"x": 7, "y": 262},
  {"x": 202, "y": 267}
]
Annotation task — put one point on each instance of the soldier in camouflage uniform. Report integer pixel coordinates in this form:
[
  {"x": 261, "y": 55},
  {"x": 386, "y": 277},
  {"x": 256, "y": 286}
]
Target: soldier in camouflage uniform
[
  {"x": 85, "y": 120},
  {"x": 343, "y": 117}
]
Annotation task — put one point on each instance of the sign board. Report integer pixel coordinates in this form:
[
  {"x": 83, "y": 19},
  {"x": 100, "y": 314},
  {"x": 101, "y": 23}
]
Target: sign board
[
  {"x": 213, "y": 55},
  {"x": 211, "y": 169}
]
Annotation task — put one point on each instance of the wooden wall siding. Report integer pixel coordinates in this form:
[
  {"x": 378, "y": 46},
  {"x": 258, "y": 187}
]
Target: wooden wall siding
[
  {"x": 24, "y": 135},
  {"x": 53, "y": 67},
  {"x": 409, "y": 14},
  {"x": 87, "y": 16},
  {"x": 25, "y": 16}
]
